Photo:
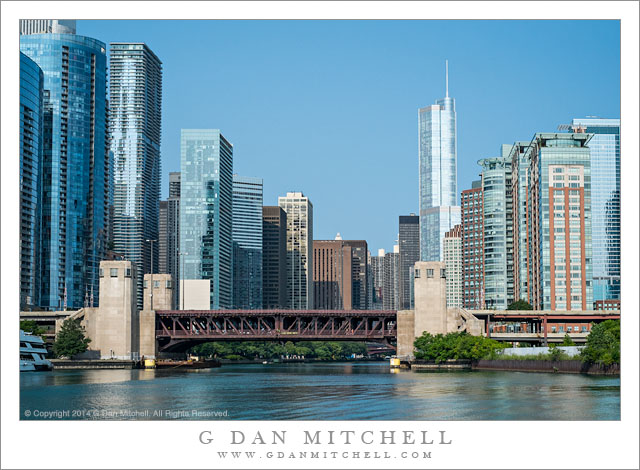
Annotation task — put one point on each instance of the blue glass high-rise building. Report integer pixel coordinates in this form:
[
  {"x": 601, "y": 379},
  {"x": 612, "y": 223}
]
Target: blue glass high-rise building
[
  {"x": 206, "y": 208},
  {"x": 31, "y": 94},
  {"x": 135, "y": 107},
  {"x": 605, "y": 203},
  {"x": 75, "y": 167},
  {"x": 497, "y": 230},
  {"x": 437, "y": 148},
  {"x": 247, "y": 242}
]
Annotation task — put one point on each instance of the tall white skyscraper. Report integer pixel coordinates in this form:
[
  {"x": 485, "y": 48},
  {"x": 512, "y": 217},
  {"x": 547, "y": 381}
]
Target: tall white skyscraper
[
  {"x": 437, "y": 149},
  {"x": 299, "y": 249},
  {"x": 135, "y": 105}
]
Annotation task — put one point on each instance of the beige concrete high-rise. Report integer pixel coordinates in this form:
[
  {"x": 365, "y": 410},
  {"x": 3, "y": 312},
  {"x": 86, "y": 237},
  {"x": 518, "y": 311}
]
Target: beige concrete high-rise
[
  {"x": 452, "y": 257},
  {"x": 299, "y": 249}
]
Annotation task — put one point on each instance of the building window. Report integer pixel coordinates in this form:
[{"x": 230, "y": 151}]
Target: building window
[
  {"x": 429, "y": 272},
  {"x": 146, "y": 283},
  {"x": 101, "y": 272},
  {"x": 168, "y": 283},
  {"x": 156, "y": 284},
  {"x": 417, "y": 273},
  {"x": 113, "y": 272},
  {"x": 127, "y": 272},
  {"x": 443, "y": 273}
]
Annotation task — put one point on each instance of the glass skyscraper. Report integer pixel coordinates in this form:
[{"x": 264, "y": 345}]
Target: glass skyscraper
[
  {"x": 274, "y": 257},
  {"x": 247, "y": 242},
  {"x": 437, "y": 148},
  {"x": 136, "y": 104},
  {"x": 75, "y": 167},
  {"x": 409, "y": 245},
  {"x": 605, "y": 204},
  {"x": 206, "y": 221},
  {"x": 497, "y": 231},
  {"x": 31, "y": 94},
  {"x": 520, "y": 219}
]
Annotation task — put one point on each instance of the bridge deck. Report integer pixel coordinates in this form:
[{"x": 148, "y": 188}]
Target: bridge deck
[{"x": 177, "y": 329}]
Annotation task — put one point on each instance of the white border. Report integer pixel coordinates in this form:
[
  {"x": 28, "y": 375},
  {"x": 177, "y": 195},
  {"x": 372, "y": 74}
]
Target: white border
[{"x": 477, "y": 444}]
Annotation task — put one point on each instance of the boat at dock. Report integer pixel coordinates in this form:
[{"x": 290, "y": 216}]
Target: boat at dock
[{"x": 32, "y": 353}]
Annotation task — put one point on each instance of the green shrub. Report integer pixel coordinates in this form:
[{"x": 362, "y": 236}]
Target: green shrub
[
  {"x": 520, "y": 305},
  {"x": 233, "y": 357},
  {"x": 440, "y": 348},
  {"x": 603, "y": 344}
]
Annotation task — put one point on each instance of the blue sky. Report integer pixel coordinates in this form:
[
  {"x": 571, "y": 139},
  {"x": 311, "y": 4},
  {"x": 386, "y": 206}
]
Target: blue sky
[{"x": 330, "y": 107}]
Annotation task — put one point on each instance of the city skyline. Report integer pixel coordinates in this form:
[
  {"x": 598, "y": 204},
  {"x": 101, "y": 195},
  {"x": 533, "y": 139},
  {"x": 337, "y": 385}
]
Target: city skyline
[
  {"x": 543, "y": 108},
  {"x": 417, "y": 80}
]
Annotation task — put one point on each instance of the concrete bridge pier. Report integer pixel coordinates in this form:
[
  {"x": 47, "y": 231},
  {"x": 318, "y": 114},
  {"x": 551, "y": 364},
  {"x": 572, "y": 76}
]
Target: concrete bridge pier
[
  {"x": 431, "y": 313},
  {"x": 116, "y": 328},
  {"x": 158, "y": 295}
]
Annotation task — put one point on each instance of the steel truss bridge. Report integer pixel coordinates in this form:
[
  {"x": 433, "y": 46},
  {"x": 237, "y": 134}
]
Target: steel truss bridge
[{"x": 178, "y": 330}]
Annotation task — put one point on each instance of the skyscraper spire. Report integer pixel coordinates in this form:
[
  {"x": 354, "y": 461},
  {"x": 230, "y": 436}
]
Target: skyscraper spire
[{"x": 446, "y": 78}]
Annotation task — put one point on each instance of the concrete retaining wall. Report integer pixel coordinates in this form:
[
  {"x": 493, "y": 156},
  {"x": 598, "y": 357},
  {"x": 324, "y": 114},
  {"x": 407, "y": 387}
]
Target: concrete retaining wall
[
  {"x": 447, "y": 365},
  {"x": 573, "y": 366},
  {"x": 94, "y": 364},
  {"x": 570, "y": 350}
]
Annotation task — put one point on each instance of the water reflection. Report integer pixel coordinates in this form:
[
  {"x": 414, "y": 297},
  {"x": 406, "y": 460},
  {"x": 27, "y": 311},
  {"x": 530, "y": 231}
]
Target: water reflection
[{"x": 329, "y": 391}]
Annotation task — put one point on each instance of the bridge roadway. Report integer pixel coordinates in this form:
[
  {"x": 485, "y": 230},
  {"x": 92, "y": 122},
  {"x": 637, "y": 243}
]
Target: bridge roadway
[{"x": 178, "y": 330}]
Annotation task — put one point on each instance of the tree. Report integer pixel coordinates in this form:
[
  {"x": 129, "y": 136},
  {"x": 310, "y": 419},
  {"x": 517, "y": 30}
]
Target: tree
[
  {"x": 520, "y": 305},
  {"x": 567, "y": 341},
  {"x": 71, "y": 339},
  {"x": 30, "y": 326},
  {"x": 603, "y": 344}
]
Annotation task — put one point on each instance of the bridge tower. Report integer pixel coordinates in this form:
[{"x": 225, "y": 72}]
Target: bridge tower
[
  {"x": 158, "y": 295},
  {"x": 113, "y": 327},
  {"x": 430, "y": 311}
]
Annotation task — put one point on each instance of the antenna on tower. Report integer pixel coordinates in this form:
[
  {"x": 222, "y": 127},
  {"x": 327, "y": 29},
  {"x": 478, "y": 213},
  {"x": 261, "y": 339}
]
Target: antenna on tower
[{"x": 446, "y": 78}]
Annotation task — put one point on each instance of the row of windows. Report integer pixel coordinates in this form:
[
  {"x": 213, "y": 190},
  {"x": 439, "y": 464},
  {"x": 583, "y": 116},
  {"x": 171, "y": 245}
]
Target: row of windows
[
  {"x": 156, "y": 284},
  {"x": 430, "y": 273},
  {"x": 113, "y": 272}
]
